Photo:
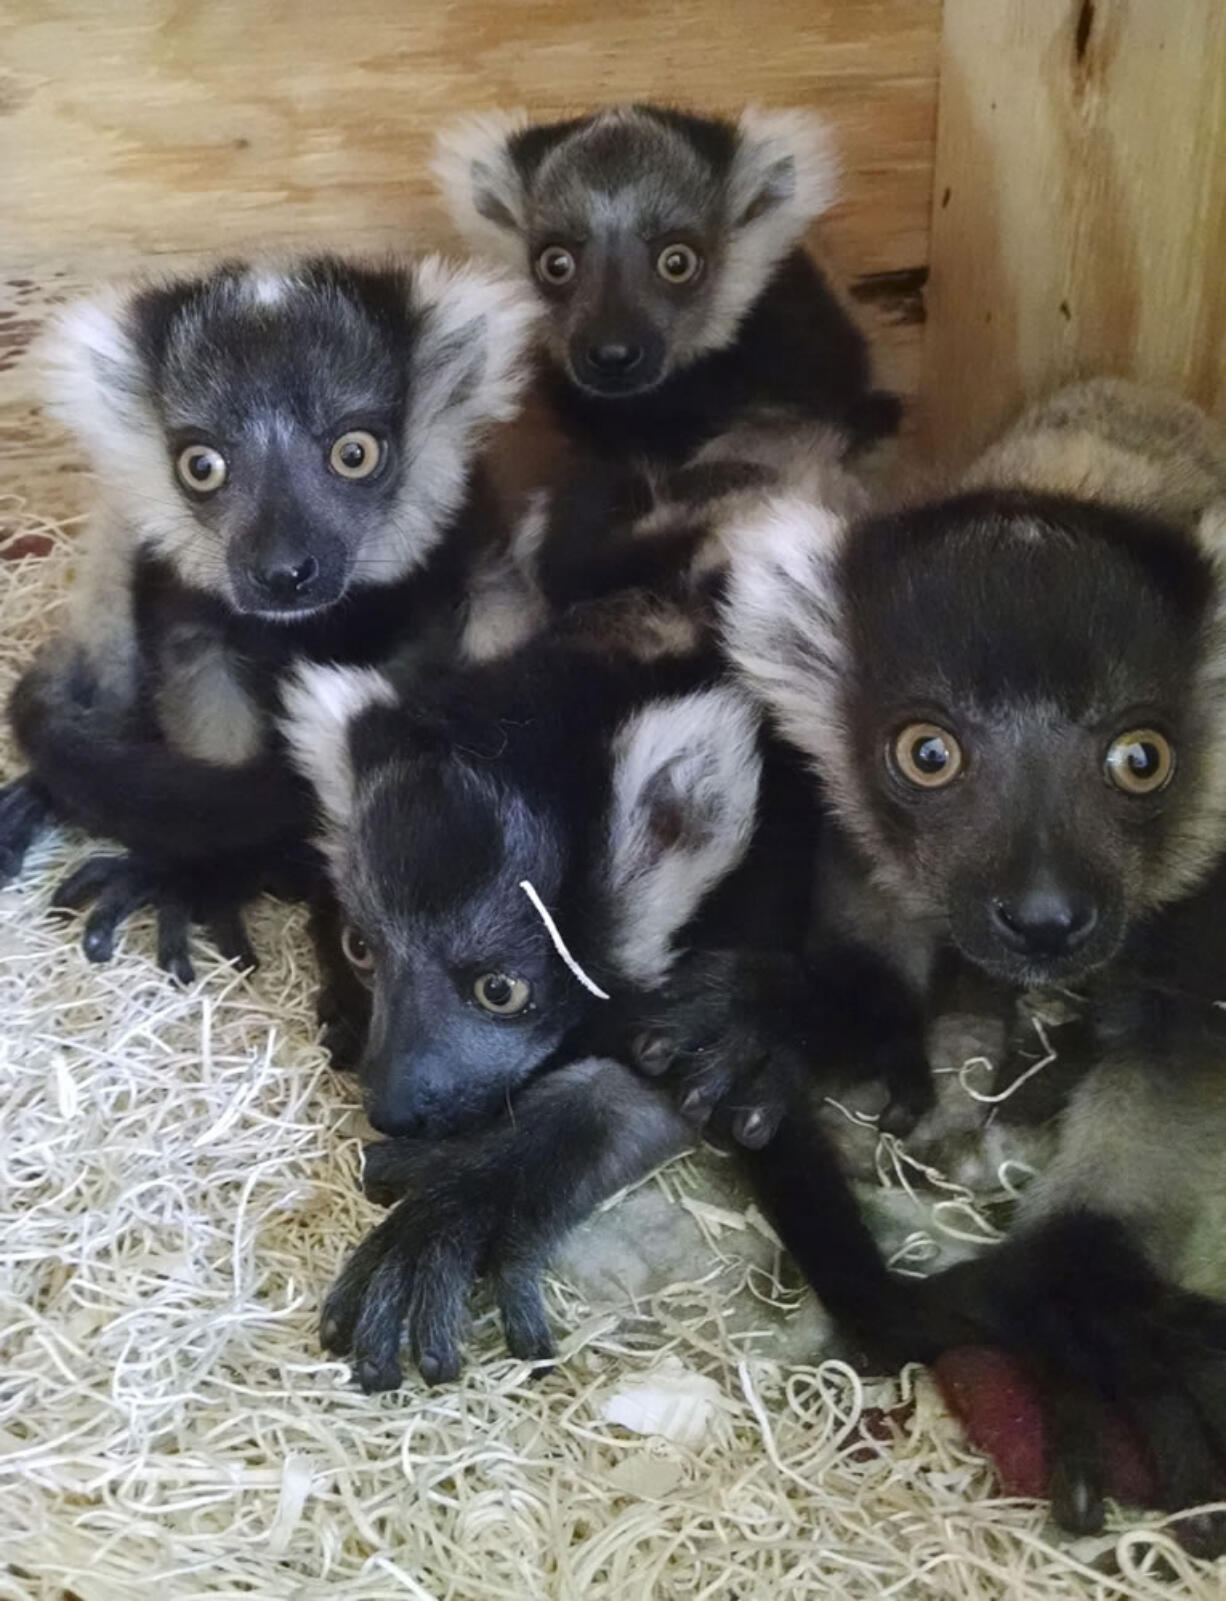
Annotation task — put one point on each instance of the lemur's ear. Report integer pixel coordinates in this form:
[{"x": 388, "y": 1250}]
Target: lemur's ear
[
  {"x": 785, "y": 169},
  {"x": 322, "y": 704},
  {"x": 784, "y": 174},
  {"x": 470, "y": 360},
  {"x": 94, "y": 377},
  {"x": 783, "y": 622},
  {"x": 685, "y": 791},
  {"x": 482, "y": 183}
]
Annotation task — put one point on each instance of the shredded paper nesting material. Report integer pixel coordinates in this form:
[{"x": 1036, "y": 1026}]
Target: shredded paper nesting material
[{"x": 177, "y": 1187}]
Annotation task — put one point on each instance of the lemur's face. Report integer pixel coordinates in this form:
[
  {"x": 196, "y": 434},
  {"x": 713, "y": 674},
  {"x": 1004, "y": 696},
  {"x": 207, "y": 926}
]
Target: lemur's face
[
  {"x": 469, "y": 996},
  {"x": 283, "y": 411},
  {"x": 1023, "y": 710},
  {"x": 647, "y": 232},
  {"x": 626, "y": 255}
]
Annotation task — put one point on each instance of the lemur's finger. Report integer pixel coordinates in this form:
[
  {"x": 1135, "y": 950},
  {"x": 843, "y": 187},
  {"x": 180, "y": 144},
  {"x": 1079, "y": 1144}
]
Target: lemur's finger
[
  {"x": 344, "y": 1300},
  {"x": 85, "y": 882},
  {"x": 174, "y": 923},
  {"x": 438, "y": 1310},
  {"x": 375, "y": 1352},
  {"x": 521, "y": 1303},
  {"x": 229, "y": 934},
  {"x": 124, "y": 895}
]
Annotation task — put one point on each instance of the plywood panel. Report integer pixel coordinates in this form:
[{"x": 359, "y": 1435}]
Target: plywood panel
[
  {"x": 138, "y": 129},
  {"x": 1079, "y": 219}
]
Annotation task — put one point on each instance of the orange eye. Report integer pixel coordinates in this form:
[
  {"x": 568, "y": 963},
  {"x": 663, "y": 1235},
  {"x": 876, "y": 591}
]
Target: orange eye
[
  {"x": 1140, "y": 762},
  {"x": 928, "y": 755}
]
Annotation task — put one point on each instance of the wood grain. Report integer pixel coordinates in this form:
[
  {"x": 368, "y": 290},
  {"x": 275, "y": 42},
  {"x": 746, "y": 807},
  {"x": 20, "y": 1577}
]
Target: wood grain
[
  {"x": 1079, "y": 205},
  {"x": 138, "y": 132}
]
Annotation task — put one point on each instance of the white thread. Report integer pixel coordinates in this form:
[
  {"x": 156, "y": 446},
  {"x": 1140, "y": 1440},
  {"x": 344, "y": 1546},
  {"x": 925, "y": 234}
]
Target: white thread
[
  {"x": 559, "y": 944},
  {"x": 1046, "y": 1060}
]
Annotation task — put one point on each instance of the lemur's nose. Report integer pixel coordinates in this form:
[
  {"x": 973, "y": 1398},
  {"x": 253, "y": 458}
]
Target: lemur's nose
[
  {"x": 1045, "y": 921},
  {"x": 614, "y": 357},
  {"x": 288, "y": 579}
]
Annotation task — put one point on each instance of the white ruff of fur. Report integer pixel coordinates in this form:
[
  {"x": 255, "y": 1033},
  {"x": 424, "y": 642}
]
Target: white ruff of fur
[
  {"x": 1199, "y": 842},
  {"x": 320, "y": 704},
  {"x": 473, "y": 154},
  {"x": 467, "y": 372},
  {"x": 697, "y": 755},
  {"x": 768, "y": 138}
]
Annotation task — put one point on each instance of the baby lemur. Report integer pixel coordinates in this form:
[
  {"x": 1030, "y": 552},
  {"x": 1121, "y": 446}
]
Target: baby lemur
[
  {"x": 682, "y": 319},
  {"x": 1017, "y": 701},
  {"x": 287, "y": 467}
]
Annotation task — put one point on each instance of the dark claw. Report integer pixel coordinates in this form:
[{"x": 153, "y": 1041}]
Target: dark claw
[
  {"x": 374, "y": 1375},
  {"x": 652, "y": 1053},
  {"x": 229, "y": 935},
  {"x": 754, "y": 1127}
]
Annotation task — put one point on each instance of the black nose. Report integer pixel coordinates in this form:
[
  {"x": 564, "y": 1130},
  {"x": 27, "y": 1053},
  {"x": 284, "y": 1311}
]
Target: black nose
[
  {"x": 288, "y": 579},
  {"x": 1045, "y": 922},
  {"x": 615, "y": 358}
]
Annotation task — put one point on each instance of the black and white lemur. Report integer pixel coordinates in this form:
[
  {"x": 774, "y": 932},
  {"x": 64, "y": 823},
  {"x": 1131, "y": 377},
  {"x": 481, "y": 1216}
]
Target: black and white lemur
[
  {"x": 287, "y": 466},
  {"x": 1017, "y": 700},
  {"x": 692, "y": 347}
]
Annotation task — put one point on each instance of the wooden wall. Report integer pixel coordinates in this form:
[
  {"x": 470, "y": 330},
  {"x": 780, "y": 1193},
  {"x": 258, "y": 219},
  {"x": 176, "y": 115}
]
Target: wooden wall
[
  {"x": 158, "y": 130},
  {"x": 1079, "y": 220}
]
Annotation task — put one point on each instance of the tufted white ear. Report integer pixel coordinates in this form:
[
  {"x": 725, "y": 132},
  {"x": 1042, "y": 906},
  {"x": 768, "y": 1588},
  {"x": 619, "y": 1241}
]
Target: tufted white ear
[
  {"x": 321, "y": 705},
  {"x": 784, "y": 174},
  {"x": 481, "y": 183},
  {"x": 783, "y": 621},
  {"x": 94, "y": 379},
  {"x": 467, "y": 370},
  {"x": 685, "y": 791}
]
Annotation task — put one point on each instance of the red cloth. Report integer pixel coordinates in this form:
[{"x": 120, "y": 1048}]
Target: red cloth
[{"x": 998, "y": 1406}]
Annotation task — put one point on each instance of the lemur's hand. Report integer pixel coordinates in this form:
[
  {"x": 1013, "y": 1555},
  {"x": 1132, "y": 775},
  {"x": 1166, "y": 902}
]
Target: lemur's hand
[
  {"x": 742, "y": 1030},
  {"x": 116, "y": 886},
  {"x": 715, "y": 1028},
  {"x": 491, "y": 1203}
]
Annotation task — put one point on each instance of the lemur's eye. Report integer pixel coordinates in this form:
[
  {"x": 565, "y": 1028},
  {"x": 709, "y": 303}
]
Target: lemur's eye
[
  {"x": 678, "y": 264},
  {"x": 502, "y": 994},
  {"x": 201, "y": 469},
  {"x": 927, "y": 755},
  {"x": 1140, "y": 762},
  {"x": 555, "y": 265},
  {"x": 357, "y": 952},
  {"x": 355, "y": 454}
]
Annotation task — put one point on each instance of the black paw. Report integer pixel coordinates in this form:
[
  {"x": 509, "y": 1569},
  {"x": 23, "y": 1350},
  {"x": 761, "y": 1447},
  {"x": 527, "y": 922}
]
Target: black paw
[
  {"x": 713, "y": 1028},
  {"x": 25, "y": 814},
  {"x": 1110, "y": 1346},
  {"x": 416, "y": 1271},
  {"x": 114, "y": 887}
]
